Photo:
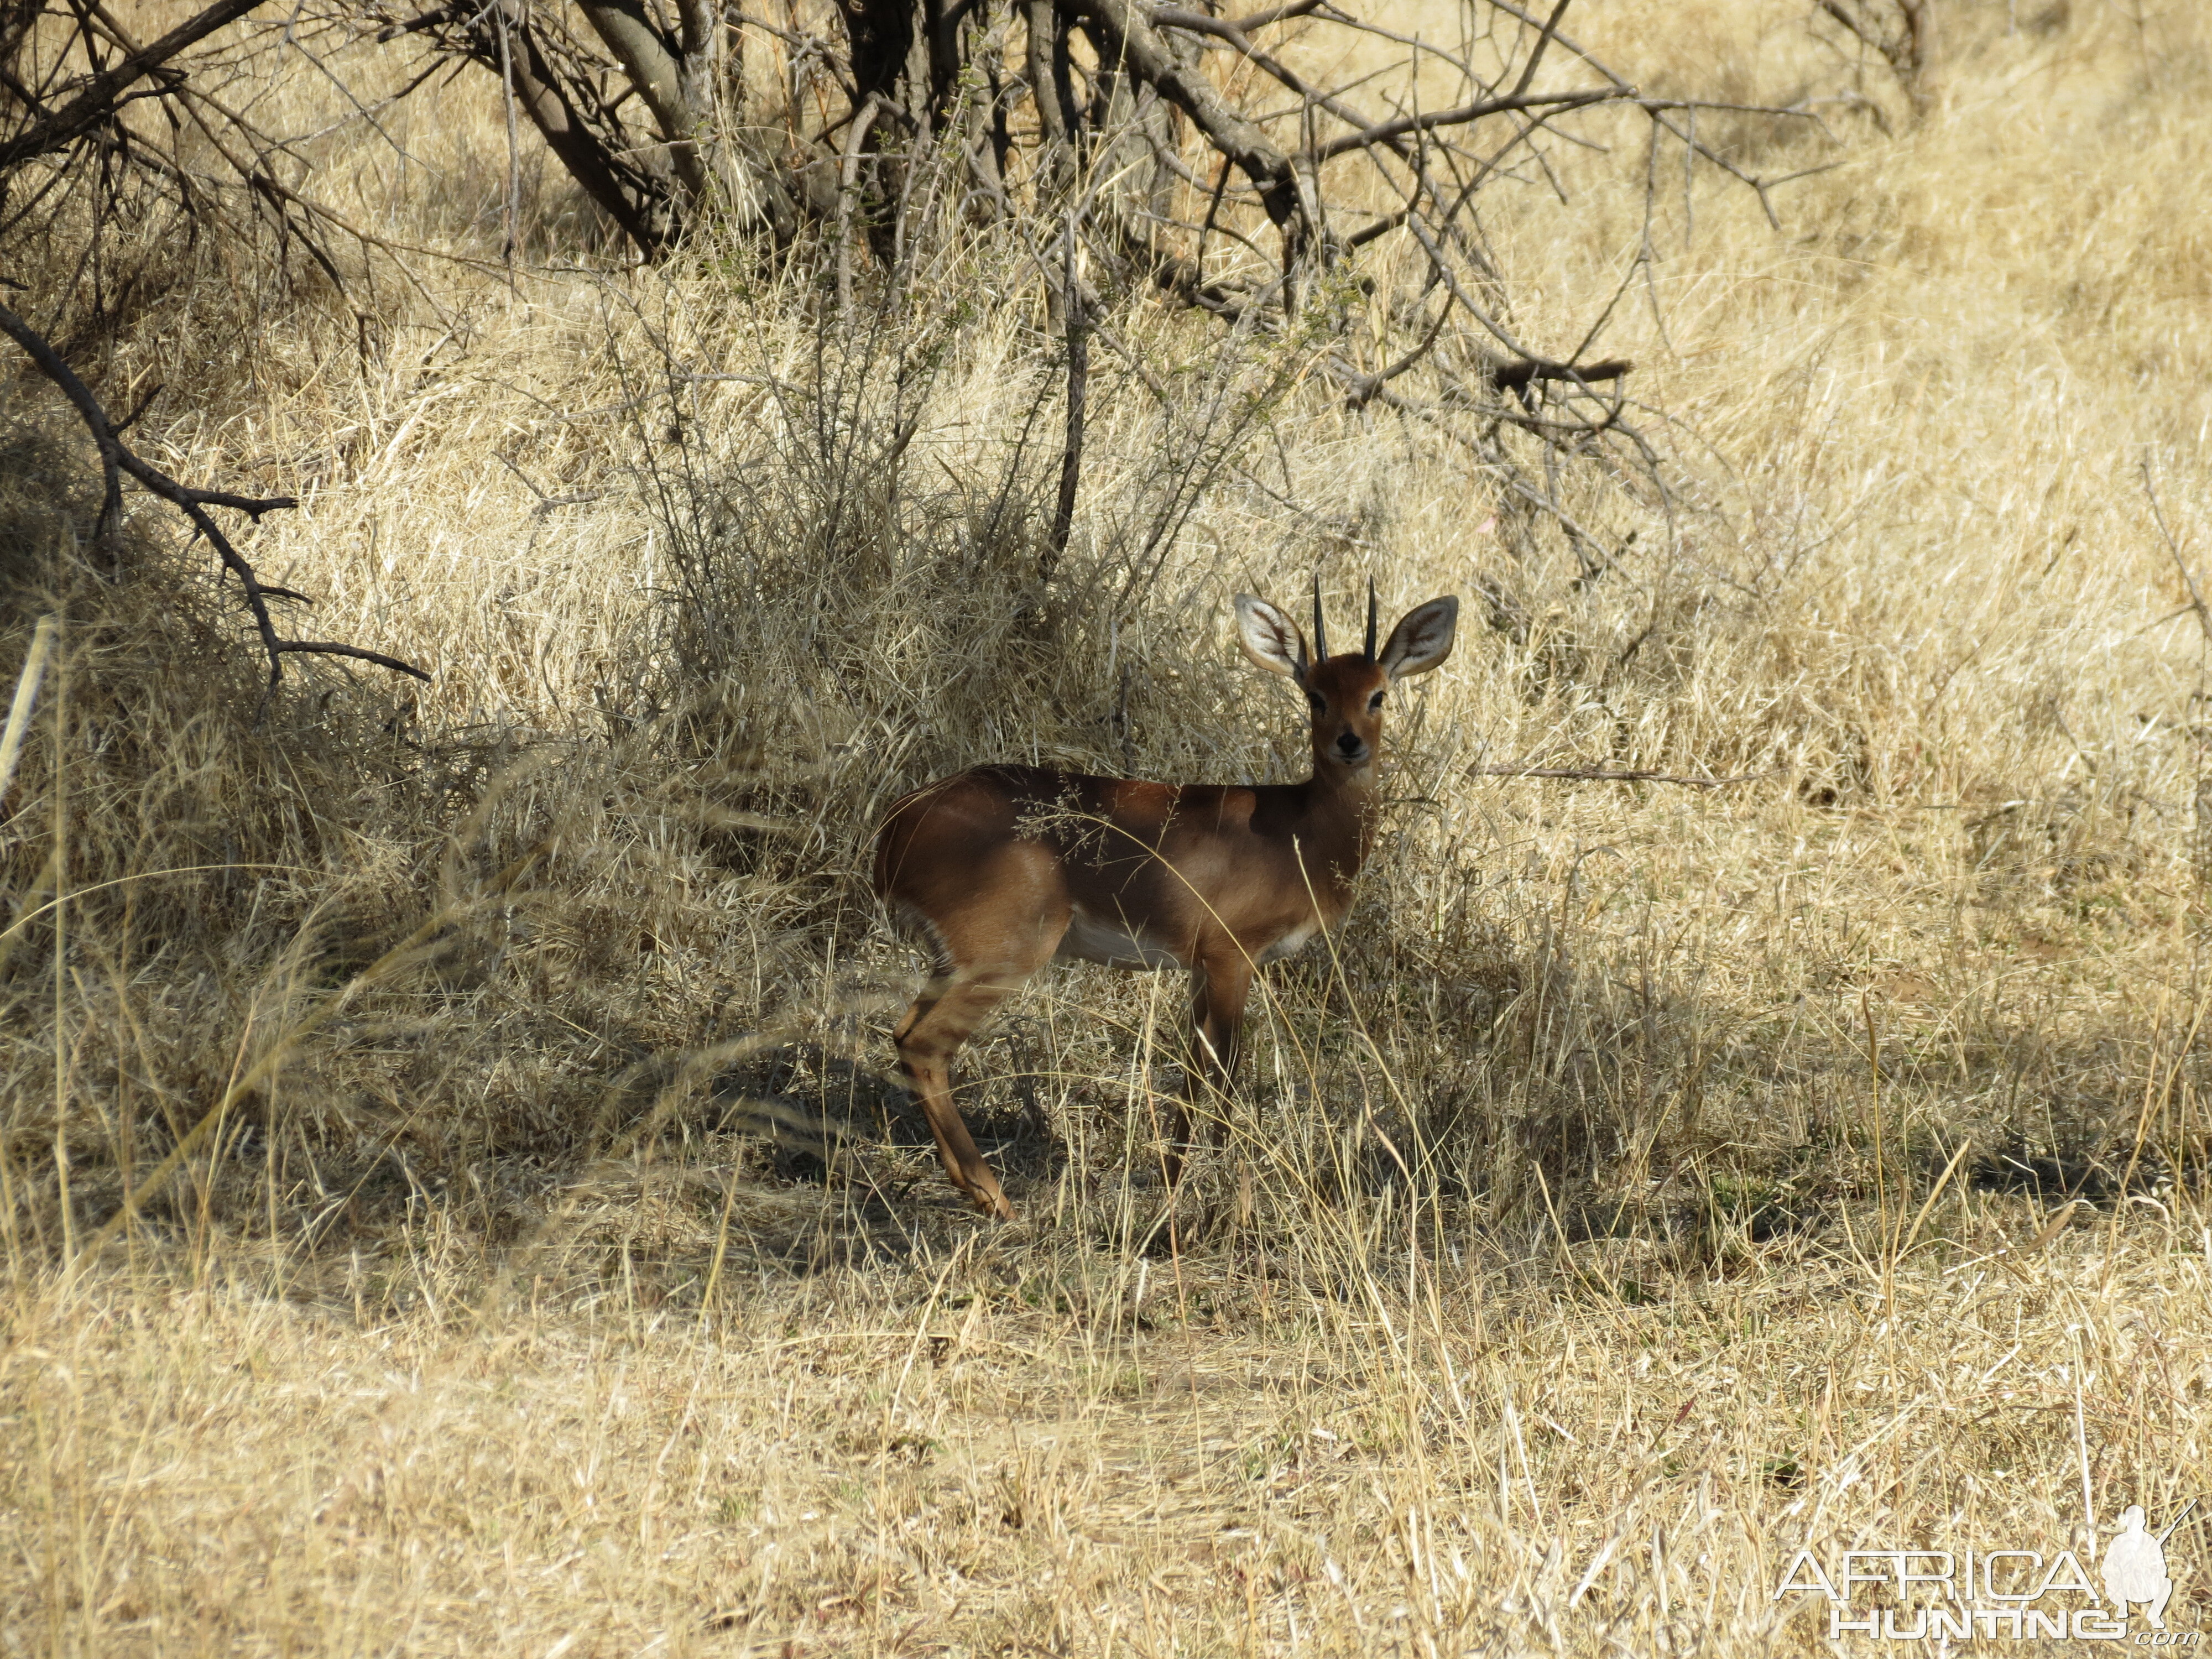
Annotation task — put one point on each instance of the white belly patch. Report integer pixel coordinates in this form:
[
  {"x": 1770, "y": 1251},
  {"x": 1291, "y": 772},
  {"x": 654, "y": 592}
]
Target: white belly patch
[
  {"x": 1109, "y": 940},
  {"x": 1291, "y": 943}
]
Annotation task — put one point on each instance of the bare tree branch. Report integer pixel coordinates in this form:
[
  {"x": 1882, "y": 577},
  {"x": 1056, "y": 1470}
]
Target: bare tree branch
[
  {"x": 97, "y": 101},
  {"x": 1130, "y": 40},
  {"x": 116, "y": 456},
  {"x": 49, "y": 363}
]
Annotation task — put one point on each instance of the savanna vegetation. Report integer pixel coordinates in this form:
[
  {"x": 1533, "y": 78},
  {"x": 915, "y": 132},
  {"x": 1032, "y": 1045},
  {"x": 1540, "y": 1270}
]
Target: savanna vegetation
[{"x": 456, "y": 1191}]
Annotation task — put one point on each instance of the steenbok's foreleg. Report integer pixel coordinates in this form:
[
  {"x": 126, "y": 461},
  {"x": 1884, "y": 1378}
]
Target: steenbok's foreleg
[{"x": 1220, "y": 985}]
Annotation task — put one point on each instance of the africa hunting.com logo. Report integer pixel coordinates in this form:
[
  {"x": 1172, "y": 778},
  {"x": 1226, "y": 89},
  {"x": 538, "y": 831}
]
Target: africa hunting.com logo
[{"x": 2009, "y": 1593}]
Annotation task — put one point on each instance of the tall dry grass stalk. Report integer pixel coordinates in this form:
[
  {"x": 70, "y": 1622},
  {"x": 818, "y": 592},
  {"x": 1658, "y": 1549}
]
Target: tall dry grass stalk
[{"x": 452, "y": 1192}]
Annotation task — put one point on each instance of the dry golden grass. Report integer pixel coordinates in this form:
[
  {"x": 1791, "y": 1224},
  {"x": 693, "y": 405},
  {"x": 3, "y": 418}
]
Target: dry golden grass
[
  {"x": 1653, "y": 1182},
  {"x": 1015, "y": 1446}
]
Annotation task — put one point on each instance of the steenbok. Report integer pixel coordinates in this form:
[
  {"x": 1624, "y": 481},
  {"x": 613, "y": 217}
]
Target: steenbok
[{"x": 998, "y": 870}]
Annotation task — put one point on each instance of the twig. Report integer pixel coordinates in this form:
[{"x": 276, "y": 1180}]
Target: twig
[
  {"x": 1536, "y": 56},
  {"x": 1078, "y": 376},
  {"x": 848, "y": 172},
  {"x": 1517, "y": 377},
  {"x": 25, "y": 700},
  {"x": 1361, "y": 388},
  {"x": 1383, "y": 132},
  {"x": 1594, "y": 776},
  {"x": 2174, "y": 550},
  {"x": 1259, "y": 20}
]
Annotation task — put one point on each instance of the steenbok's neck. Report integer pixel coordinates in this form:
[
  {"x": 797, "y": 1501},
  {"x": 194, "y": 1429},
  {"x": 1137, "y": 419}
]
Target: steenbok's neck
[
  {"x": 1341, "y": 813},
  {"x": 1331, "y": 778}
]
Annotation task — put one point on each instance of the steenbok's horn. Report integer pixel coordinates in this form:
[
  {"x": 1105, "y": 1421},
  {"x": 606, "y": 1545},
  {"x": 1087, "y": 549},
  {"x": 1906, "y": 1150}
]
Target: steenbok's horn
[
  {"x": 1370, "y": 653},
  {"x": 1321, "y": 638}
]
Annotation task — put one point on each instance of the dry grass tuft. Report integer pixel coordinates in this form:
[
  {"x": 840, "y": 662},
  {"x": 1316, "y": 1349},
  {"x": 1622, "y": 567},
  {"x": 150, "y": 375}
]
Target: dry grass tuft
[{"x": 526, "y": 1249}]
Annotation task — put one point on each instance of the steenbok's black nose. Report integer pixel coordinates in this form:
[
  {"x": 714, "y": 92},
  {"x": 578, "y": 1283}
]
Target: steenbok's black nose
[{"x": 1348, "y": 744}]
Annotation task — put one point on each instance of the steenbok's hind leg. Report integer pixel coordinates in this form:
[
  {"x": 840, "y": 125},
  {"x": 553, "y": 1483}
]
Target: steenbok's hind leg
[
  {"x": 985, "y": 965},
  {"x": 931, "y": 1034}
]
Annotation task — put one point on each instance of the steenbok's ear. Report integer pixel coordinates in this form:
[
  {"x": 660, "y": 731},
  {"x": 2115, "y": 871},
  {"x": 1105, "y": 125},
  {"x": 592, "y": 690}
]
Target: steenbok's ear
[
  {"x": 1270, "y": 639},
  {"x": 1422, "y": 639}
]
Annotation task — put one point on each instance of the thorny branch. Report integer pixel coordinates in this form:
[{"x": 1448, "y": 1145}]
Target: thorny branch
[{"x": 116, "y": 457}]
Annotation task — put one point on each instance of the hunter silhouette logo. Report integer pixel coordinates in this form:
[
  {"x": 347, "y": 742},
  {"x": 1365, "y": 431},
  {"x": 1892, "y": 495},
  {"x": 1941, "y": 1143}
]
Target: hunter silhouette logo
[
  {"x": 1943, "y": 1596},
  {"x": 2135, "y": 1565}
]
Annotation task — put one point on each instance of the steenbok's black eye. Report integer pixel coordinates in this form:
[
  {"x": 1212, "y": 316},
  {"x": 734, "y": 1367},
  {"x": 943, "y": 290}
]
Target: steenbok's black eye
[
  {"x": 1318, "y": 702},
  {"x": 1375, "y": 703}
]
